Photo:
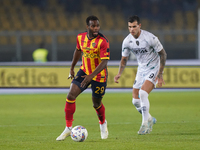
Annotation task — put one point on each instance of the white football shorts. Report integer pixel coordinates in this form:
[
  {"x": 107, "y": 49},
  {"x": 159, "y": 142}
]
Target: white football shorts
[{"x": 147, "y": 74}]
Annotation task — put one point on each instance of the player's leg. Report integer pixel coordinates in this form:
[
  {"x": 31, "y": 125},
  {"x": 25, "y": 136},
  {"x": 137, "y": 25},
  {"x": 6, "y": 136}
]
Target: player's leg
[
  {"x": 135, "y": 93},
  {"x": 100, "y": 110},
  {"x": 147, "y": 119},
  {"x": 137, "y": 103},
  {"x": 139, "y": 81},
  {"x": 146, "y": 88},
  {"x": 98, "y": 90},
  {"x": 136, "y": 100},
  {"x": 70, "y": 105},
  {"x": 70, "y": 108}
]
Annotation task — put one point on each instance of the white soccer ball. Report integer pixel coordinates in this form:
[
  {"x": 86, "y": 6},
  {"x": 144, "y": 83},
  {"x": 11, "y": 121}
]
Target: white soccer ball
[{"x": 79, "y": 133}]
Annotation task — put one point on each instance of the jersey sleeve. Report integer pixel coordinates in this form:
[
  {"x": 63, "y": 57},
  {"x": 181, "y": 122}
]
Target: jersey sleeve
[
  {"x": 105, "y": 50},
  {"x": 125, "y": 48},
  {"x": 78, "y": 47},
  {"x": 155, "y": 43}
]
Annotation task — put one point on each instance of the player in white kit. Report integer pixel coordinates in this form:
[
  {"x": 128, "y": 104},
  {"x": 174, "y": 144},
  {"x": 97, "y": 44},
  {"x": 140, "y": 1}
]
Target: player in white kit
[{"x": 151, "y": 58}]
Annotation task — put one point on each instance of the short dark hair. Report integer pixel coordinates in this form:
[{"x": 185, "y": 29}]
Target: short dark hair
[
  {"x": 134, "y": 18},
  {"x": 91, "y": 18}
]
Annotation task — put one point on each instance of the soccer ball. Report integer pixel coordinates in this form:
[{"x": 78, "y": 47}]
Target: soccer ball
[{"x": 79, "y": 133}]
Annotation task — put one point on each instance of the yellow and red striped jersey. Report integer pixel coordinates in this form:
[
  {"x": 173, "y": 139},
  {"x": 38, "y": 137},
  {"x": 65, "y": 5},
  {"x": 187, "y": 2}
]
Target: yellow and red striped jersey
[{"x": 93, "y": 51}]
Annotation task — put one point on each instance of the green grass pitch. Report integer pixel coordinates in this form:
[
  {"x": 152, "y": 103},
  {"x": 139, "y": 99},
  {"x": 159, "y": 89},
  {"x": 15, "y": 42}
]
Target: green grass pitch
[{"x": 33, "y": 121}]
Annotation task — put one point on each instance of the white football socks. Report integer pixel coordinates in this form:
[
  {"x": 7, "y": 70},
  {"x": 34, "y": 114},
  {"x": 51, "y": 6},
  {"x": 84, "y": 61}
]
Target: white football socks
[
  {"x": 144, "y": 105},
  {"x": 136, "y": 103}
]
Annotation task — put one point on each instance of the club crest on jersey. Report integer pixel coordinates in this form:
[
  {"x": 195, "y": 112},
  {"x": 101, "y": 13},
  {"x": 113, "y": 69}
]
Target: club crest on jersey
[
  {"x": 137, "y": 42},
  {"x": 93, "y": 44}
]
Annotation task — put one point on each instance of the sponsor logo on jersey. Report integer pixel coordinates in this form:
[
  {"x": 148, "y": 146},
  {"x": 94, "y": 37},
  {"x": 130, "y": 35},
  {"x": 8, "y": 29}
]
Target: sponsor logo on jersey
[
  {"x": 139, "y": 50},
  {"x": 88, "y": 55}
]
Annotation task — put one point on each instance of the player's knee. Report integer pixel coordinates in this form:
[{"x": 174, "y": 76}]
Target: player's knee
[
  {"x": 71, "y": 96},
  {"x": 96, "y": 102},
  {"x": 143, "y": 94},
  {"x": 96, "y": 105}
]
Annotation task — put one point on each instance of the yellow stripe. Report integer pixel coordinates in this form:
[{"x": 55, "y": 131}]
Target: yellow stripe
[
  {"x": 98, "y": 107},
  {"x": 70, "y": 101},
  {"x": 99, "y": 59},
  {"x": 99, "y": 43},
  {"x": 102, "y": 74},
  {"x": 92, "y": 59},
  {"x": 86, "y": 41},
  {"x": 106, "y": 58},
  {"x": 86, "y": 65},
  {"x": 79, "y": 40},
  {"x": 84, "y": 50}
]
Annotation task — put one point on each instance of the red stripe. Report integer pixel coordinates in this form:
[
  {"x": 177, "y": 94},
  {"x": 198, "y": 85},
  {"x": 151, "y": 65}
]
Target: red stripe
[
  {"x": 82, "y": 39},
  {"x": 98, "y": 77},
  {"x": 96, "y": 41},
  {"x": 88, "y": 43},
  {"x": 89, "y": 65},
  {"x": 96, "y": 61},
  {"x": 83, "y": 60}
]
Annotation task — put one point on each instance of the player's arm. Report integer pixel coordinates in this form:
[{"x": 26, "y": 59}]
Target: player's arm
[
  {"x": 99, "y": 68},
  {"x": 163, "y": 57},
  {"x": 76, "y": 57},
  {"x": 122, "y": 66}
]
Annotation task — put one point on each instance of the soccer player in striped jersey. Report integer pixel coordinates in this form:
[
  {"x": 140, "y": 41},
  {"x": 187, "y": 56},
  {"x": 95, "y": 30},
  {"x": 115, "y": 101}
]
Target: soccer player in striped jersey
[
  {"x": 94, "y": 49},
  {"x": 151, "y": 58}
]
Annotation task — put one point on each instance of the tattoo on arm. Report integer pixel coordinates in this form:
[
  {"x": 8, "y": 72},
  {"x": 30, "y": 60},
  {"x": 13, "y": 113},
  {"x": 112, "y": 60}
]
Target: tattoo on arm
[
  {"x": 163, "y": 57},
  {"x": 122, "y": 64}
]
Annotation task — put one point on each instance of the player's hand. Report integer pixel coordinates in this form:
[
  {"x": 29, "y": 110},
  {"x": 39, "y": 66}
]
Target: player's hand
[
  {"x": 159, "y": 77},
  {"x": 86, "y": 81},
  {"x": 116, "y": 78},
  {"x": 71, "y": 74}
]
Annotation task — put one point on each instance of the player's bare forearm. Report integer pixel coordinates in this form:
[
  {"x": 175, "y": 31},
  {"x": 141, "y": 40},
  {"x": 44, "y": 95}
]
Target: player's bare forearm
[
  {"x": 159, "y": 77},
  {"x": 76, "y": 57},
  {"x": 100, "y": 67},
  {"x": 163, "y": 57},
  {"x": 122, "y": 65}
]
